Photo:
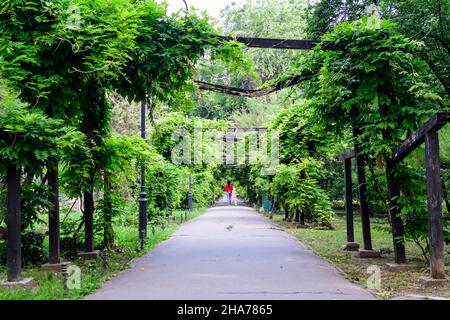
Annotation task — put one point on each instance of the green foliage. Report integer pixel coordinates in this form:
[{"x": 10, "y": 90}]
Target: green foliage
[
  {"x": 426, "y": 21},
  {"x": 206, "y": 187},
  {"x": 29, "y": 139},
  {"x": 170, "y": 182},
  {"x": 376, "y": 88},
  {"x": 176, "y": 122},
  {"x": 161, "y": 135},
  {"x": 61, "y": 57},
  {"x": 413, "y": 208},
  {"x": 167, "y": 188},
  {"x": 167, "y": 48},
  {"x": 296, "y": 186},
  {"x": 33, "y": 251},
  {"x": 375, "y": 83},
  {"x": 258, "y": 112},
  {"x": 264, "y": 19},
  {"x": 301, "y": 135},
  {"x": 65, "y": 46}
]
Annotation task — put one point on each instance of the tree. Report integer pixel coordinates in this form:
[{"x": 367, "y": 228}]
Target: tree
[
  {"x": 426, "y": 21},
  {"x": 376, "y": 87}
]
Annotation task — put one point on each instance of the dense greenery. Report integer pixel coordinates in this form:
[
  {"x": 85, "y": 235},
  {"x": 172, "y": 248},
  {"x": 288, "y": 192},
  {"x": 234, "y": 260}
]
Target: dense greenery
[
  {"x": 60, "y": 62},
  {"x": 73, "y": 73},
  {"x": 374, "y": 92},
  {"x": 426, "y": 21}
]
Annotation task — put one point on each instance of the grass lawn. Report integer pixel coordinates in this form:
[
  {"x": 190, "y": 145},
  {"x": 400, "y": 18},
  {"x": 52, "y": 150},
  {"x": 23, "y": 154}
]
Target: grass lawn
[
  {"x": 327, "y": 243},
  {"x": 94, "y": 274}
]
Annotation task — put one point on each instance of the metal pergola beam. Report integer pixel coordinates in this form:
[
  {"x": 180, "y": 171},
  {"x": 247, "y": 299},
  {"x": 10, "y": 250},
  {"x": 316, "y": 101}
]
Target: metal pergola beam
[
  {"x": 292, "y": 44},
  {"x": 252, "y": 93},
  {"x": 267, "y": 43}
]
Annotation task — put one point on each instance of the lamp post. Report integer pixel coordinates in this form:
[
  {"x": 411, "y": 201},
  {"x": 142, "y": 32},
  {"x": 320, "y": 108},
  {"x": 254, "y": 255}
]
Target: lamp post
[{"x": 143, "y": 194}]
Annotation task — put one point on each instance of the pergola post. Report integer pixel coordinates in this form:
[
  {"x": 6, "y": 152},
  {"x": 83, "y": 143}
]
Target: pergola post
[
  {"x": 393, "y": 185},
  {"x": 53, "y": 218},
  {"x": 368, "y": 251},
  {"x": 351, "y": 244},
  {"x": 14, "y": 250},
  {"x": 89, "y": 253},
  {"x": 436, "y": 235},
  {"x": 14, "y": 254},
  {"x": 365, "y": 219},
  {"x": 54, "y": 258}
]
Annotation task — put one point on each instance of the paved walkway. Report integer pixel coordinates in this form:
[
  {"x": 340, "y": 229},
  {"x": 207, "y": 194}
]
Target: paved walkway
[{"x": 230, "y": 252}]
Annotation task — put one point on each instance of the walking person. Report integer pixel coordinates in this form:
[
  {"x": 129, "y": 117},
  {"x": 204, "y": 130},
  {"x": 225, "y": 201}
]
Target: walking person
[{"x": 229, "y": 191}]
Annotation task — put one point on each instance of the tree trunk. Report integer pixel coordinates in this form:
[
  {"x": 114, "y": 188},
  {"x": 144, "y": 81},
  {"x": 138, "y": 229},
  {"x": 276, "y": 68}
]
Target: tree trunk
[
  {"x": 53, "y": 218},
  {"x": 393, "y": 186},
  {"x": 108, "y": 231},
  {"x": 14, "y": 252},
  {"x": 89, "y": 220},
  {"x": 364, "y": 208},
  {"x": 394, "y": 214},
  {"x": 349, "y": 200}
]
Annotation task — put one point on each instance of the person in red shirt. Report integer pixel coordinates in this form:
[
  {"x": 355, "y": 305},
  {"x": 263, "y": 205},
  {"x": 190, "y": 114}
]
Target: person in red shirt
[{"x": 229, "y": 191}]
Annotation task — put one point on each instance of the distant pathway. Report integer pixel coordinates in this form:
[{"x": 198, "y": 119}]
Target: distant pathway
[{"x": 230, "y": 252}]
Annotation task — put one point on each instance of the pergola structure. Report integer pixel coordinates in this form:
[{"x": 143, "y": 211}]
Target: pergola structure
[{"x": 428, "y": 134}]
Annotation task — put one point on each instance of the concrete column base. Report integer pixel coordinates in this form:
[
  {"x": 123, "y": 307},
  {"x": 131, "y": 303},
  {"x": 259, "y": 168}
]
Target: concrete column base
[
  {"x": 368, "y": 254},
  {"x": 55, "y": 267},
  {"x": 26, "y": 284},
  {"x": 351, "y": 246},
  {"x": 395, "y": 267},
  {"x": 89, "y": 255},
  {"x": 434, "y": 283}
]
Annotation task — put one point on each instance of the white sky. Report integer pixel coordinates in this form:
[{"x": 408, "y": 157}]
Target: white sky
[{"x": 211, "y": 6}]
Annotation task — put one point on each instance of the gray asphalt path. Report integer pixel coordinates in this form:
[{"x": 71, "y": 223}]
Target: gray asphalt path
[{"x": 230, "y": 252}]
